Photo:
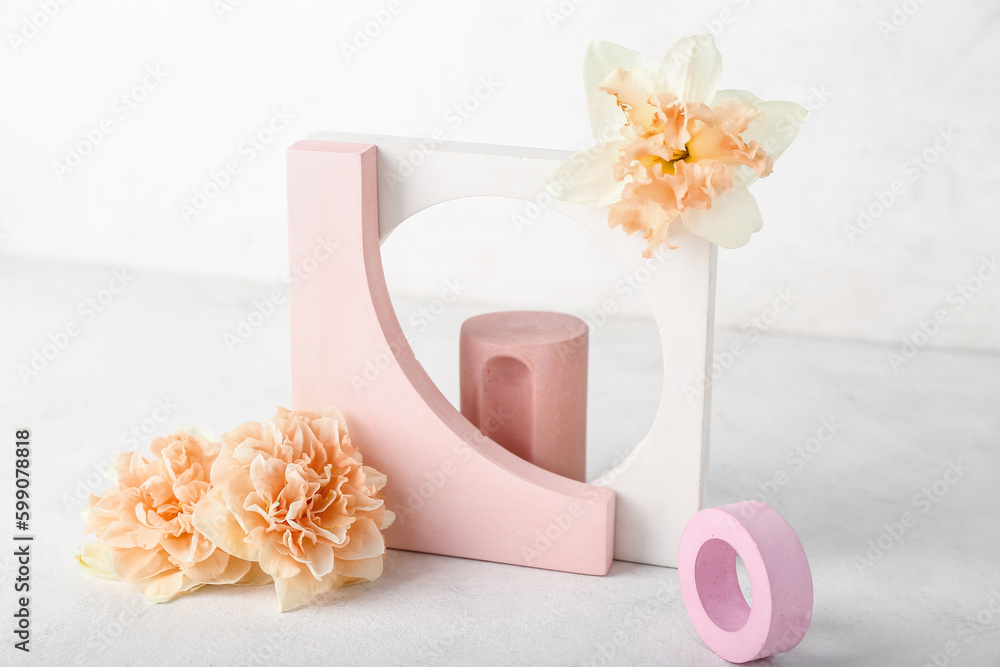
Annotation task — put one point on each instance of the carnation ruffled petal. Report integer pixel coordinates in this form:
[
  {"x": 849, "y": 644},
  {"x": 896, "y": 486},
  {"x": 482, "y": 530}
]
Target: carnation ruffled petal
[
  {"x": 364, "y": 541},
  {"x": 137, "y": 563},
  {"x": 217, "y": 568},
  {"x": 267, "y": 476},
  {"x": 251, "y": 436},
  {"x": 326, "y": 426},
  {"x": 181, "y": 547},
  {"x": 365, "y": 569},
  {"x": 166, "y": 586},
  {"x": 115, "y": 534},
  {"x": 319, "y": 558},
  {"x": 277, "y": 564},
  {"x": 374, "y": 480},
  {"x": 213, "y": 520},
  {"x": 298, "y": 591},
  {"x": 254, "y": 575}
]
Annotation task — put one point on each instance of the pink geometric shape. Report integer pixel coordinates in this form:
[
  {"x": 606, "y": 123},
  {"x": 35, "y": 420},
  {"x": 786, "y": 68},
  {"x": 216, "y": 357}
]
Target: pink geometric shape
[
  {"x": 661, "y": 483},
  {"x": 454, "y": 491},
  {"x": 524, "y": 384},
  {"x": 779, "y": 574}
]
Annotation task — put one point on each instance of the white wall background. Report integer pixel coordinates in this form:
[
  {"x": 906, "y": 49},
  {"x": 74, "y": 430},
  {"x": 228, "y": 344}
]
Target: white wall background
[{"x": 883, "y": 79}]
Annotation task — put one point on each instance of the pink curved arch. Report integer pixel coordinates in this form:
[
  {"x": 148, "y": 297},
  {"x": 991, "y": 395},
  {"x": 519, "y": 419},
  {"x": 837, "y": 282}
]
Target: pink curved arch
[{"x": 455, "y": 492}]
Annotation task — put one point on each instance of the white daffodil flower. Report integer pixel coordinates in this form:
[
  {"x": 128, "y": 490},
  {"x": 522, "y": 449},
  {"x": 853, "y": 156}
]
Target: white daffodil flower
[{"x": 672, "y": 147}]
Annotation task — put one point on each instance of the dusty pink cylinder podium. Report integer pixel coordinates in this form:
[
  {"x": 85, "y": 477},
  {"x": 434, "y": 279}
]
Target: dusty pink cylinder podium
[{"x": 524, "y": 385}]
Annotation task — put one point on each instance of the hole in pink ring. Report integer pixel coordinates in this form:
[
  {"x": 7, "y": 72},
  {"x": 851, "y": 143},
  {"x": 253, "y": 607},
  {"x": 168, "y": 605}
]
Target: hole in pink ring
[
  {"x": 719, "y": 585},
  {"x": 744, "y": 576}
]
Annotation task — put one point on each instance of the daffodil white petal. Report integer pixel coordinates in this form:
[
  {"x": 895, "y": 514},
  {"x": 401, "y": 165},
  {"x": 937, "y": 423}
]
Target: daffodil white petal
[
  {"x": 779, "y": 126},
  {"x": 733, "y": 217},
  {"x": 692, "y": 69},
  {"x": 588, "y": 177},
  {"x": 601, "y": 59}
]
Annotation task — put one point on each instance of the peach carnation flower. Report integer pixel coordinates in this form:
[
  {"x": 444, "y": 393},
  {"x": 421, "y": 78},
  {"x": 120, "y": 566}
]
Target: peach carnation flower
[
  {"x": 144, "y": 525},
  {"x": 674, "y": 147},
  {"x": 293, "y": 495}
]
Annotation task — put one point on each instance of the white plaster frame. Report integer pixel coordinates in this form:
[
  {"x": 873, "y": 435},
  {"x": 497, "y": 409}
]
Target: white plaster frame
[{"x": 660, "y": 485}]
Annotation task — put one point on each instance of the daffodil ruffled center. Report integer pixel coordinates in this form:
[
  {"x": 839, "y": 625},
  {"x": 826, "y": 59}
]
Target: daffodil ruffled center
[{"x": 676, "y": 156}]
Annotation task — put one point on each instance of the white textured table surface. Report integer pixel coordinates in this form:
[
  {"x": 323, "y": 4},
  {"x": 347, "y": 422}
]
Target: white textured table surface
[{"x": 162, "y": 340}]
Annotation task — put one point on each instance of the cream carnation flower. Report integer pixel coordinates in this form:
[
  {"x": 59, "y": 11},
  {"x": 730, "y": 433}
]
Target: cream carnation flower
[
  {"x": 144, "y": 525},
  {"x": 293, "y": 495}
]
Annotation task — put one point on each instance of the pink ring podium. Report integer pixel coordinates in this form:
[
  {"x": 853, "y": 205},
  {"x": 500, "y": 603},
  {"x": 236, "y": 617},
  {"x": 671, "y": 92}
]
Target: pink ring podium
[{"x": 779, "y": 578}]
